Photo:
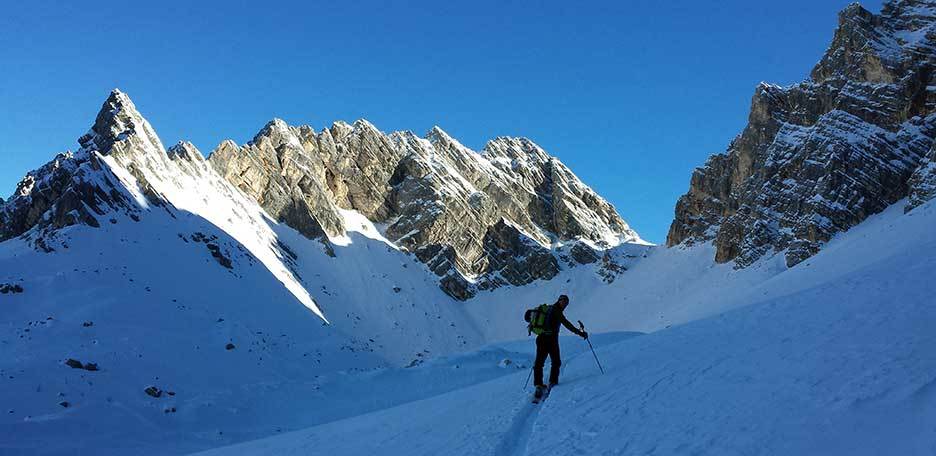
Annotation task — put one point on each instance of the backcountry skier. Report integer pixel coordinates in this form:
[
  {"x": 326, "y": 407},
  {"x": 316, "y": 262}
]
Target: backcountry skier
[{"x": 544, "y": 321}]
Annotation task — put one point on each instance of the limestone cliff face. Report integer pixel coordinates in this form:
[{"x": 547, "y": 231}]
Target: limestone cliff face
[
  {"x": 819, "y": 157},
  {"x": 274, "y": 170},
  {"x": 478, "y": 220}
]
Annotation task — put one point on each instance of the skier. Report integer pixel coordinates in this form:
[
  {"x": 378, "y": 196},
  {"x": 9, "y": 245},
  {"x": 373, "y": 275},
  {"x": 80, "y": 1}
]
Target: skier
[{"x": 547, "y": 344}]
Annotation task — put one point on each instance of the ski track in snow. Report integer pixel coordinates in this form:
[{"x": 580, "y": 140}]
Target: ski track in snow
[
  {"x": 516, "y": 439},
  {"x": 517, "y": 436}
]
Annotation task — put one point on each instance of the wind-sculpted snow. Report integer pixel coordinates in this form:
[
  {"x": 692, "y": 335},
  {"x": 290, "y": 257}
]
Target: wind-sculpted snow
[{"x": 818, "y": 157}]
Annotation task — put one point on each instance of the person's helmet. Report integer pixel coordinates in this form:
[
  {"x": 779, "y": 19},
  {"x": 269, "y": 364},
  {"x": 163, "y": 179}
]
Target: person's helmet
[{"x": 563, "y": 300}]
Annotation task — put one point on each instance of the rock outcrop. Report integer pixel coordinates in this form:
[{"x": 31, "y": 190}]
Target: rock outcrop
[
  {"x": 819, "y": 157},
  {"x": 923, "y": 182}
]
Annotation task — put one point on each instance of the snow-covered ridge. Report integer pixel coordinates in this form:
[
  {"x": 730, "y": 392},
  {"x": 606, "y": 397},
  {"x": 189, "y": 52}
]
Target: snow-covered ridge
[{"x": 466, "y": 215}]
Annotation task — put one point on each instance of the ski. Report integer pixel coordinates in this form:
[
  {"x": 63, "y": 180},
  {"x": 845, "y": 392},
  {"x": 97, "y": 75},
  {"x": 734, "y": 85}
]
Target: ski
[{"x": 541, "y": 394}]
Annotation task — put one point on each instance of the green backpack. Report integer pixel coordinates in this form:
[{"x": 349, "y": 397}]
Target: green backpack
[{"x": 536, "y": 319}]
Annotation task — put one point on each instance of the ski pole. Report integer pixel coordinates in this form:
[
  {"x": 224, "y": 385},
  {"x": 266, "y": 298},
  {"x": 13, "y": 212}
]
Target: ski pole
[
  {"x": 527, "y": 382},
  {"x": 582, "y": 326}
]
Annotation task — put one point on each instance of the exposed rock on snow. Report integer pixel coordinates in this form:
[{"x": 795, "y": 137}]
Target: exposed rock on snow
[
  {"x": 6, "y": 288},
  {"x": 59, "y": 194},
  {"x": 75, "y": 364},
  {"x": 818, "y": 157},
  {"x": 923, "y": 182},
  {"x": 153, "y": 391},
  {"x": 610, "y": 269}
]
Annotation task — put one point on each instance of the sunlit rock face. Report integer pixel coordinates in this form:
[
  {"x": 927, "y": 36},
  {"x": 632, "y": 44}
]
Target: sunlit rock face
[{"x": 478, "y": 220}]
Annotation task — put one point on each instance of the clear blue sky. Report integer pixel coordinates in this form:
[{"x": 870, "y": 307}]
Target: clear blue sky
[{"x": 632, "y": 95}]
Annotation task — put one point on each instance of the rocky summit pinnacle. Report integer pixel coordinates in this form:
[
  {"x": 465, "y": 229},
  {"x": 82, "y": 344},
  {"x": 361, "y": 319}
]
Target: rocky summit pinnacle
[
  {"x": 118, "y": 121},
  {"x": 79, "y": 188},
  {"x": 818, "y": 157}
]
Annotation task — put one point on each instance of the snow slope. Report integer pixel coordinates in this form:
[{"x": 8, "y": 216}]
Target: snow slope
[
  {"x": 160, "y": 311},
  {"x": 834, "y": 356}
]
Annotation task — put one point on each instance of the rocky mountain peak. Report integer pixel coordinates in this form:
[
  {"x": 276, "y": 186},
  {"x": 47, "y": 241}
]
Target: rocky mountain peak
[
  {"x": 118, "y": 121},
  {"x": 275, "y": 128},
  {"x": 184, "y": 151},
  {"x": 511, "y": 148},
  {"x": 878, "y": 48},
  {"x": 81, "y": 188},
  {"x": 852, "y": 54},
  {"x": 364, "y": 124},
  {"x": 438, "y": 137},
  {"x": 340, "y": 130},
  {"x": 476, "y": 220},
  {"x": 818, "y": 157}
]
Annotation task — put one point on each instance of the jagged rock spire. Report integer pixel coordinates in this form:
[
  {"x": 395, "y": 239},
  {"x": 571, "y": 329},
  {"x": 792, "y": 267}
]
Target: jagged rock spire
[
  {"x": 77, "y": 188},
  {"x": 186, "y": 151},
  {"x": 118, "y": 121}
]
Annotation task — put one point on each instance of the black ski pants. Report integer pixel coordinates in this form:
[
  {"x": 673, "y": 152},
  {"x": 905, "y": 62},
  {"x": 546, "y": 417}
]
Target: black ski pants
[{"x": 547, "y": 345}]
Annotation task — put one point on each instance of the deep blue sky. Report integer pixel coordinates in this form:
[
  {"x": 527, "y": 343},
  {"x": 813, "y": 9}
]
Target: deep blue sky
[{"x": 632, "y": 95}]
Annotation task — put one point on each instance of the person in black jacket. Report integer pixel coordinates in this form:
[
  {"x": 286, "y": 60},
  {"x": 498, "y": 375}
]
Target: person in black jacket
[{"x": 547, "y": 344}]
